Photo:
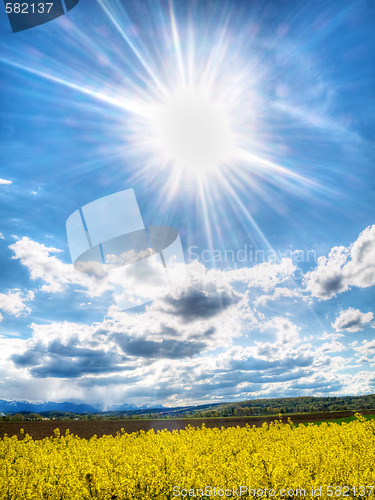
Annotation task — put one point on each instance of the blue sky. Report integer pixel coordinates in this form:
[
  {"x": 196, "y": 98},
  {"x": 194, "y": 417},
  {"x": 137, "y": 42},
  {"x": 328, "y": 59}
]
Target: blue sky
[{"x": 246, "y": 126}]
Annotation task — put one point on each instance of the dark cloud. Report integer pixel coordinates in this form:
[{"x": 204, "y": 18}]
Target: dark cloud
[
  {"x": 320, "y": 385},
  {"x": 331, "y": 285},
  {"x": 275, "y": 367},
  {"x": 195, "y": 304},
  {"x": 70, "y": 350},
  {"x": 67, "y": 360},
  {"x": 233, "y": 379},
  {"x": 31, "y": 357},
  {"x": 168, "y": 348},
  {"x": 55, "y": 366}
]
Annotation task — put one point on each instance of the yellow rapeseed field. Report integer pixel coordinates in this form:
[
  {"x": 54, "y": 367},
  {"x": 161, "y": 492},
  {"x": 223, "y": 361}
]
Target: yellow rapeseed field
[{"x": 275, "y": 461}]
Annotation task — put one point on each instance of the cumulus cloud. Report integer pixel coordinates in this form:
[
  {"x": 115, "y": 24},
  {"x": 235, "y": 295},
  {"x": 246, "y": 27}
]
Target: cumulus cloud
[
  {"x": 278, "y": 293},
  {"x": 204, "y": 296},
  {"x": 283, "y": 360},
  {"x": 318, "y": 384},
  {"x": 265, "y": 276},
  {"x": 43, "y": 265},
  {"x": 344, "y": 268},
  {"x": 287, "y": 333},
  {"x": 5, "y": 181},
  {"x": 14, "y": 302},
  {"x": 264, "y": 371},
  {"x": 207, "y": 293},
  {"x": 331, "y": 336},
  {"x": 68, "y": 350},
  {"x": 352, "y": 320},
  {"x": 200, "y": 332},
  {"x": 95, "y": 362},
  {"x": 257, "y": 361},
  {"x": 362, "y": 382},
  {"x": 332, "y": 347},
  {"x": 366, "y": 351},
  {"x": 166, "y": 348}
]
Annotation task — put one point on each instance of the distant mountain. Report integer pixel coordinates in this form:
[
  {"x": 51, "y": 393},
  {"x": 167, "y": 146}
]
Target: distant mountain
[
  {"x": 67, "y": 406},
  {"x": 126, "y": 407},
  {"x": 18, "y": 406},
  {"x": 123, "y": 407}
]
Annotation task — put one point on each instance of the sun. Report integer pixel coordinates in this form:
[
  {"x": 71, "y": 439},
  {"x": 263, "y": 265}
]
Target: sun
[{"x": 192, "y": 131}]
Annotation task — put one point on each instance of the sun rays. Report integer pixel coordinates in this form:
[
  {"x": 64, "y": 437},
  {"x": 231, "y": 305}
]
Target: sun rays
[{"x": 184, "y": 101}]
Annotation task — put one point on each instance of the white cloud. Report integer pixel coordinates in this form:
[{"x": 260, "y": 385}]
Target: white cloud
[
  {"x": 352, "y": 320},
  {"x": 2, "y": 237},
  {"x": 344, "y": 268},
  {"x": 362, "y": 382},
  {"x": 366, "y": 351},
  {"x": 328, "y": 278},
  {"x": 5, "y": 181},
  {"x": 278, "y": 293},
  {"x": 197, "y": 312},
  {"x": 331, "y": 336},
  {"x": 13, "y": 302},
  {"x": 43, "y": 263},
  {"x": 287, "y": 333},
  {"x": 332, "y": 347},
  {"x": 55, "y": 274},
  {"x": 266, "y": 275}
]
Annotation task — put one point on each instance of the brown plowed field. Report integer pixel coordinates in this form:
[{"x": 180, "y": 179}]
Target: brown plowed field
[{"x": 87, "y": 429}]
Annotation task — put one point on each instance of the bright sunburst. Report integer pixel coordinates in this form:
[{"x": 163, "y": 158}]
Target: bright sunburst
[
  {"x": 190, "y": 109},
  {"x": 193, "y": 133},
  {"x": 199, "y": 116}
]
